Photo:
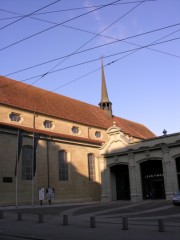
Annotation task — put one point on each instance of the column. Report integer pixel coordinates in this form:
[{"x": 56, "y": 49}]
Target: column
[{"x": 167, "y": 173}]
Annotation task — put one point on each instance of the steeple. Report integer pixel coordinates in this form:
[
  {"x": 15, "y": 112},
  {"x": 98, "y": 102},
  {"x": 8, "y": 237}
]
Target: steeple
[{"x": 105, "y": 104}]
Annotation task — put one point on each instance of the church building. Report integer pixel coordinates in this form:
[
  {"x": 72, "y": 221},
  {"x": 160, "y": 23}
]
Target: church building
[{"x": 79, "y": 152}]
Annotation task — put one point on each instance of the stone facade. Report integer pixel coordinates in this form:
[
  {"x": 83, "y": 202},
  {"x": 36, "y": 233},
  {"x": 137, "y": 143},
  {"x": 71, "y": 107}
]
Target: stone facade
[
  {"x": 77, "y": 188},
  {"x": 152, "y": 166},
  {"x": 48, "y": 140}
]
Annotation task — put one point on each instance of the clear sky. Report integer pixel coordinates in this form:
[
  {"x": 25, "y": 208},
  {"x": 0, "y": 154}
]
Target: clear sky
[{"x": 143, "y": 84}]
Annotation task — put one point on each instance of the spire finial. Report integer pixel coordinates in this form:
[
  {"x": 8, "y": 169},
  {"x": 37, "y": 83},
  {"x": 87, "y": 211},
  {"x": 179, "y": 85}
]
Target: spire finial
[{"x": 164, "y": 132}]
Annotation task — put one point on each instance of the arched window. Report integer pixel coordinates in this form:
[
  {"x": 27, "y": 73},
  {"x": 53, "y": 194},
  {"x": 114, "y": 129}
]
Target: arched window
[
  {"x": 27, "y": 152},
  {"x": 91, "y": 167},
  {"x": 63, "y": 165}
]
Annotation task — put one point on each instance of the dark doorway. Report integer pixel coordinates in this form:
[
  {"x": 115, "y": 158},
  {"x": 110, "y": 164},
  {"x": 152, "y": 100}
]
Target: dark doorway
[
  {"x": 152, "y": 179},
  {"x": 178, "y": 170},
  {"x": 121, "y": 175}
]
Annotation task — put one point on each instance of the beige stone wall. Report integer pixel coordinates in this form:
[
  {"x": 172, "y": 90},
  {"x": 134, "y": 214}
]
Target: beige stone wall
[
  {"x": 7, "y": 165},
  {"x": 78, "y": 187},
  {"x": 59, "y": 125}
]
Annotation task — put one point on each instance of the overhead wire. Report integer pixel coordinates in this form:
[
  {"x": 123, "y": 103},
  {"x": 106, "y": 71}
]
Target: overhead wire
[
  {"x": 105, "y": 65},
  {"x": 52, "y": 27},
  {"x": 142, "y": 47},
  {"x": 102, "y": 45},
  {"x": 50, "y": 70},
  {"x": 156, "y": 42},
  {"x": 28, "y": 15},
  {"x": 130, "y": 50},
  {"x": 127, "y": 51},
  {"x": 116, "y": 54},
  {"x": 111, "y": 55},
  {"x": 98, "y": 34},
  {"x": 69, "y": 9}
]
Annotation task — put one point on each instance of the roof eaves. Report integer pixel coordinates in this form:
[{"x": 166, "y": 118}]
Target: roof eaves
[{"x": 52, "y": 134}]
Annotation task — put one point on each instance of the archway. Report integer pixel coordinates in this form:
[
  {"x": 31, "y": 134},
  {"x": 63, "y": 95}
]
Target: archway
[
  {"x": 178, "y": 170},
  {"x": 120, "y": 182},
  {"x": 152, "y": 179}
]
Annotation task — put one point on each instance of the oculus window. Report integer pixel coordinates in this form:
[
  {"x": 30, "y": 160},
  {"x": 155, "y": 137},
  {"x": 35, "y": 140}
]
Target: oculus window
[
  {"x": 75, "y": 130},
  {"x": 48, "y": 124},
  {"x": 15, "y": 117},
  {"x": 98, "y": 134}
]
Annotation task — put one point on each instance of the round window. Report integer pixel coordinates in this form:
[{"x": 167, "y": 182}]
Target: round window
[
  {"x": 98, "y": 134},
  {"x": 75, "y": 129}
]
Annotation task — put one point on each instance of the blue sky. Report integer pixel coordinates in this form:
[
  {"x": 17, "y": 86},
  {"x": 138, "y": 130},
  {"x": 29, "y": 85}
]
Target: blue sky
[{"x": 143, "y": 86}]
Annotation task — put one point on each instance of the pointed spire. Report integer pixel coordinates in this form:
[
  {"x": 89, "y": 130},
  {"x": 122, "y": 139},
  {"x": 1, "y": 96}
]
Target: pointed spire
[
  {"x": 105, "y": 104},
  {"x": 104, "y": 94}
]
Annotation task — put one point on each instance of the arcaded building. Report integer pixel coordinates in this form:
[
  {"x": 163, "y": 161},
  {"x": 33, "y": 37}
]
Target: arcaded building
[{"x": 146, "y": 169}]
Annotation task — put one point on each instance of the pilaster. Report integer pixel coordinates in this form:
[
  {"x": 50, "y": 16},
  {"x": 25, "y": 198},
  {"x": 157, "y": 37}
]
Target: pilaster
[
  {"x": 105, "y": 179},
  {"x": 167, "y": 173},
  {"x": 133, "y": 181}
]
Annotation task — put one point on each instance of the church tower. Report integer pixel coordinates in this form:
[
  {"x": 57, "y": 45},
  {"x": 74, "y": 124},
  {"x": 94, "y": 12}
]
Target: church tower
[{"x": 105, "y": 104}]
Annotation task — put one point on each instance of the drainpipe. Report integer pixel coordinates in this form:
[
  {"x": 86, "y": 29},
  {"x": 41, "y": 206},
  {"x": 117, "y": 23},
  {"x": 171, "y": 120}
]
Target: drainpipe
[{"x": 47, "y": 156}]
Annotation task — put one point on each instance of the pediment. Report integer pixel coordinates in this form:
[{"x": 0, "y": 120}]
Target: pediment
[{"x": 116, "y": 141}]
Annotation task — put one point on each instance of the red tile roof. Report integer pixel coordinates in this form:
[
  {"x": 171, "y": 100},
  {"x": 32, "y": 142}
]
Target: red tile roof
[{"x": 20, "y": 95}]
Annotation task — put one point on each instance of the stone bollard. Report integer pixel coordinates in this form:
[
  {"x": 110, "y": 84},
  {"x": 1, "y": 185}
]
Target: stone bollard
[
  {"x": 92, "y": 222},
  {"x": 161, "y": 225},
  {"x": 19, "y": 216},
  {"x": 41, "y": 219},
  {"x": 1, "y": 214},
  {"x": 124, "y": 223},
  {"x": 65, "y": 220}
]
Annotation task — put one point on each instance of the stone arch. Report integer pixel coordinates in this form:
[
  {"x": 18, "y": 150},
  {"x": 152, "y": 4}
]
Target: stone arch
[{"x": 149, "y": 159}]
